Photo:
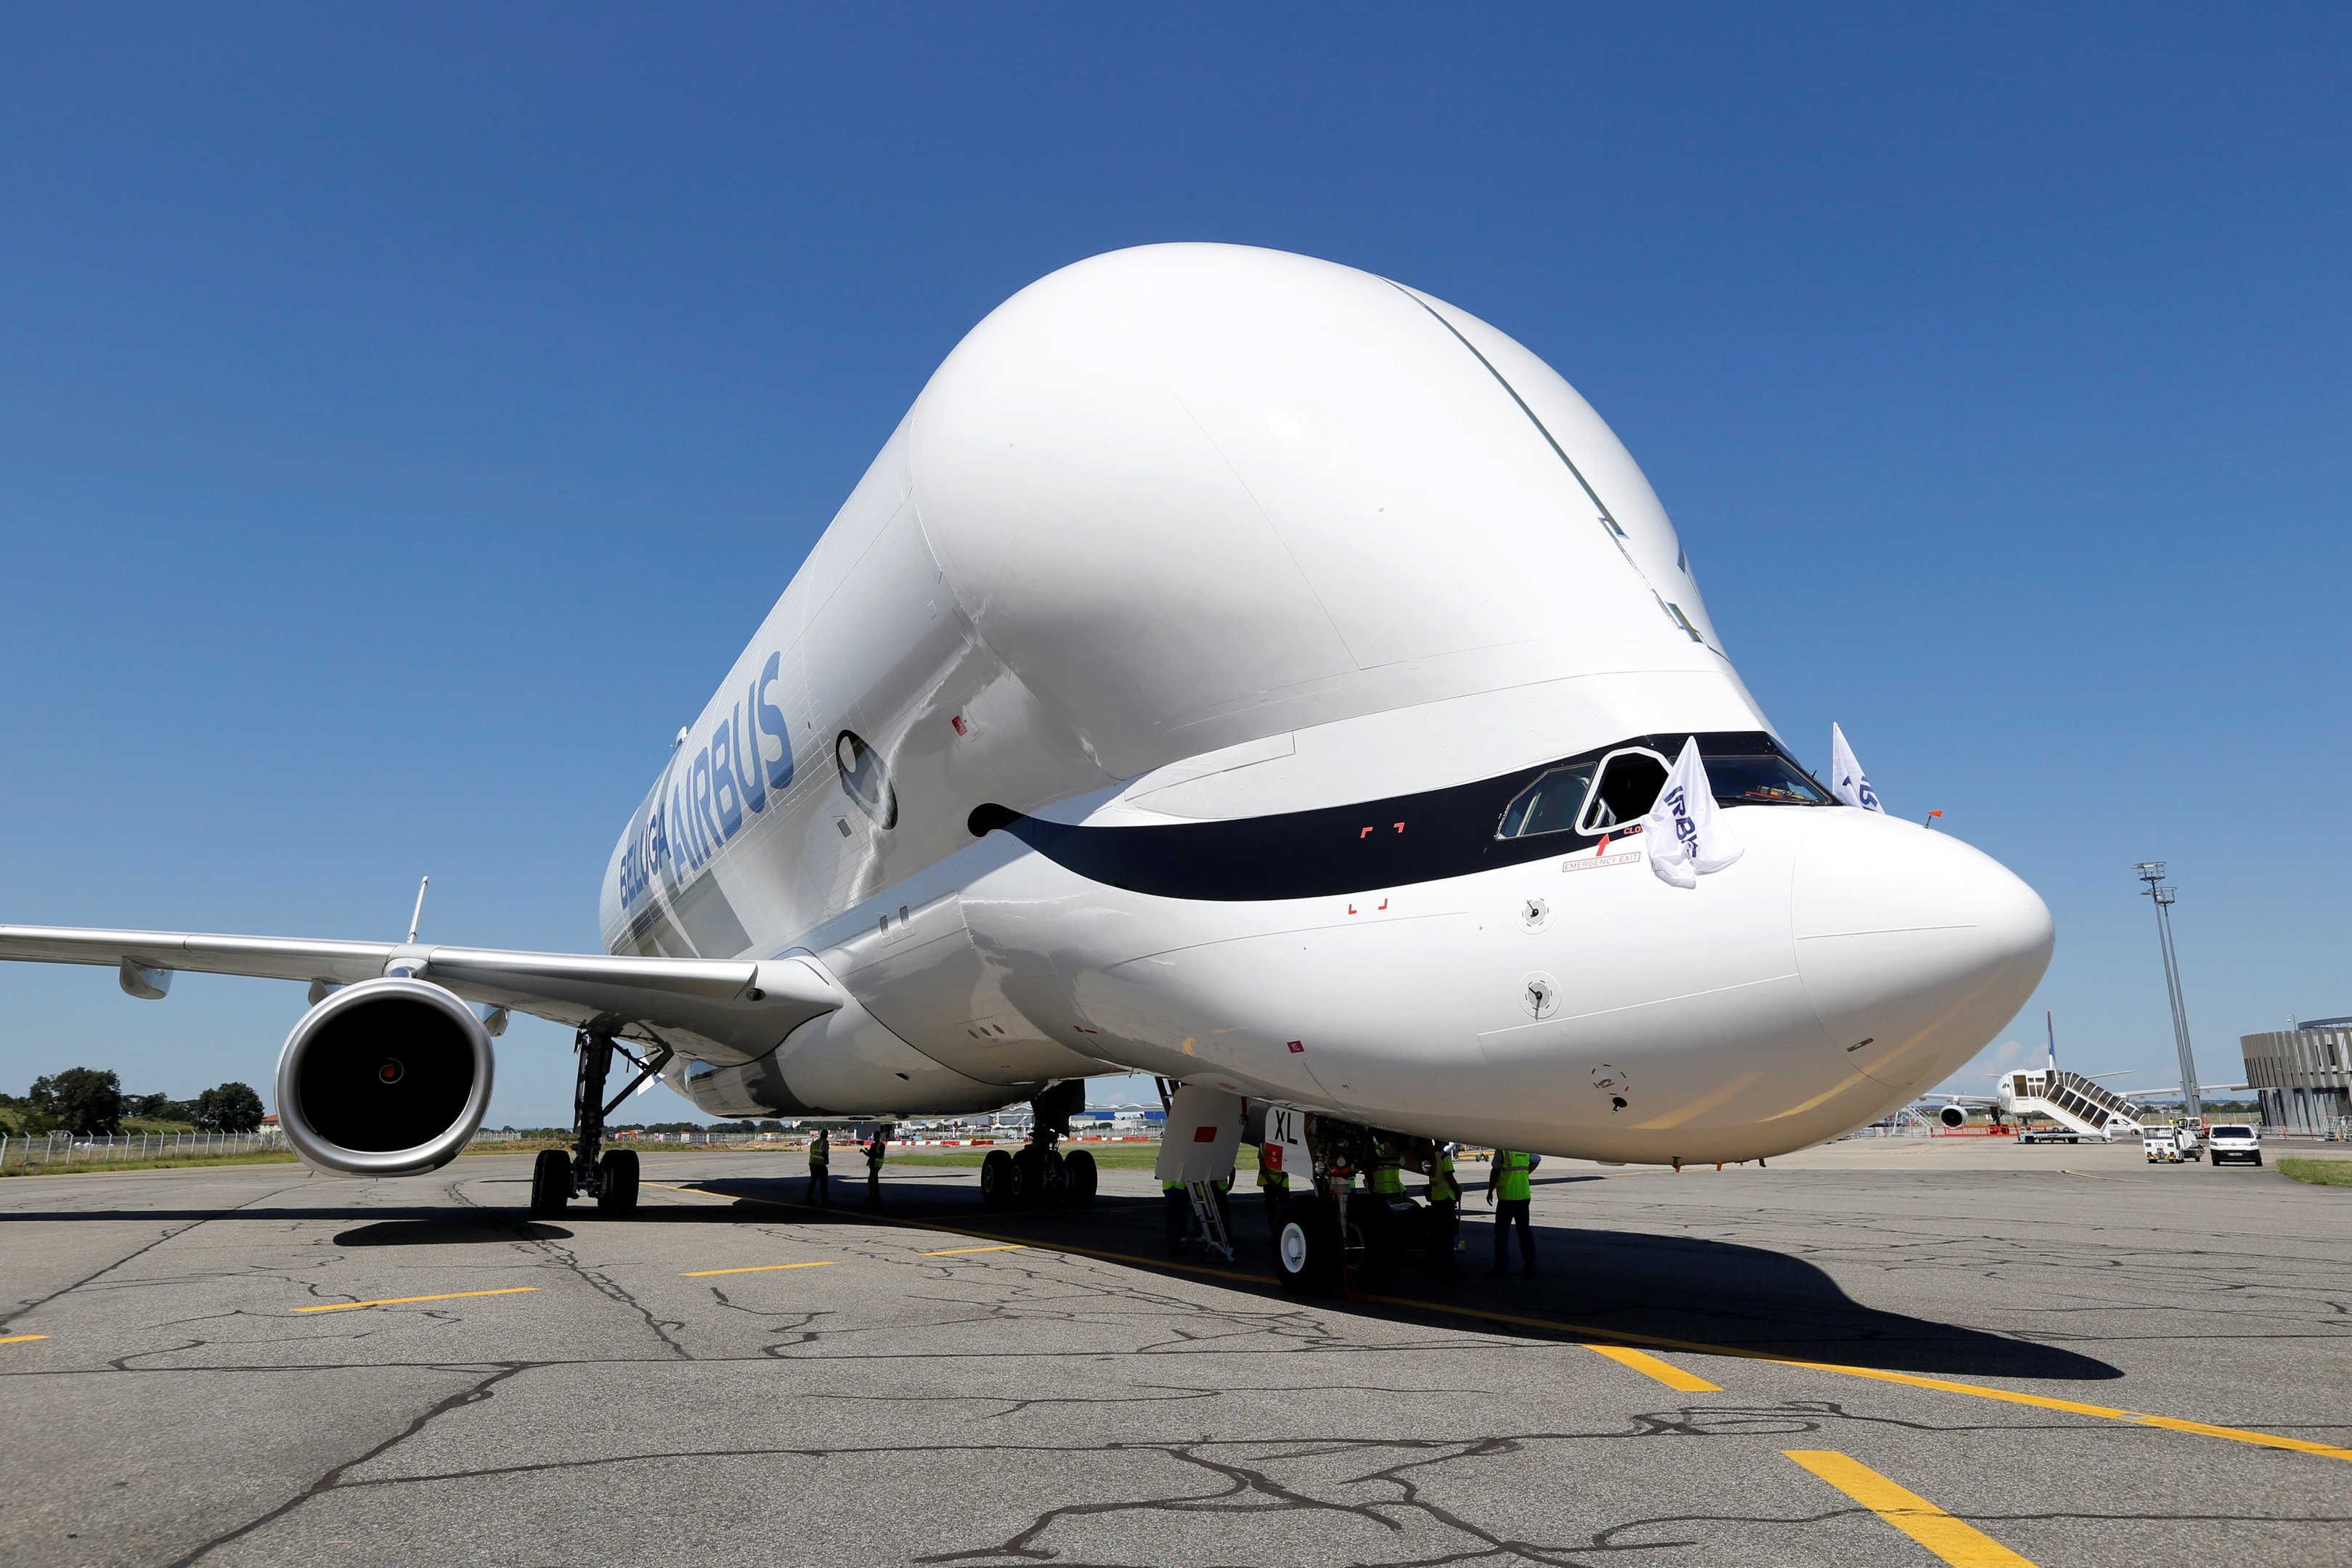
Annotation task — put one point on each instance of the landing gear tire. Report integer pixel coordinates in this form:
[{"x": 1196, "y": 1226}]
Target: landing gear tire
[
  {"x": 1370, "y": 1246},
  {"x": 1306, "y": 1247},
  {"x": 1052, "y": 1188},
  {"x": 1039, "y": 1179},
  {"x": 996, "y": 1180},
  {"x": 1078, "y": 1192},
  {"x": 1021, "y": 1189},
  {"x": 616, "y": 1182},
  {"x": 551, "y": 1182}
]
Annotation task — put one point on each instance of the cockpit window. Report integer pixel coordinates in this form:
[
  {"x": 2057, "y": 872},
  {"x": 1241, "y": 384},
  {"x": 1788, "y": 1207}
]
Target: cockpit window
[
  {"x": 1547, "y": 806},
  {"x": 1628, "y": 786},
  {"x": 1765, "y": 780},
  {"x": 1610, "y": 794}
]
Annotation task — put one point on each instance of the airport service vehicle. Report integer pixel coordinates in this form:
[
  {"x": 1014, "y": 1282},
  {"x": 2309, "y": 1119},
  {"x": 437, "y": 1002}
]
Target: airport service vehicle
[
  {"x": 2234, "y": 1142},
  {"x": 1238, "y": 668},
  {"x": 2161, "y": 1145},
  {"x": 2062, "y": 1134}
]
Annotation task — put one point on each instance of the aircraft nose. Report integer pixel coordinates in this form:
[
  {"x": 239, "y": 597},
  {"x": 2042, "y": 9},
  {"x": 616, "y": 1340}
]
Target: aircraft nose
[{"x": 1915, "y": 948}]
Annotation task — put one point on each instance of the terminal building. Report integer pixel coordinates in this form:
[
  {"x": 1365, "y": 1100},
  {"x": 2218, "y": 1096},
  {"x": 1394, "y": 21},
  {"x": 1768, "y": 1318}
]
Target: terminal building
[{"x": 2303, "y": 1074}]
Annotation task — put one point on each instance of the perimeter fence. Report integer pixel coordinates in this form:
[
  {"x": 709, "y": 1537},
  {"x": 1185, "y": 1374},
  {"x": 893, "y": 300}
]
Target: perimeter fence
[{"x": 21, "y": 1151}]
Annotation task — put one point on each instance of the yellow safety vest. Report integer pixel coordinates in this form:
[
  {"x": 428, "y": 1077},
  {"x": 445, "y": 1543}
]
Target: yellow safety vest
[
  {"x": 820, "y": 1153},
  {"x": 1511, "y": 1175},
  {"x": 1442, "y": 1188},
  {"x": 1268, "y": 1177},
  {"x": 1387, "y": 1178}
]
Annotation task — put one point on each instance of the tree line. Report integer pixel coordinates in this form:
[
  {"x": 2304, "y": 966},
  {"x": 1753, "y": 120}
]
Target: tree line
[{"x": 91, "y": 1104}]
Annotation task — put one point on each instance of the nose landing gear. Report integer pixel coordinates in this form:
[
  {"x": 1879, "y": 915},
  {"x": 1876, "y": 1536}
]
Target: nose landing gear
[
  {"x": 590, "y": 1170},
  {"x": 1333, "y": 1237}
]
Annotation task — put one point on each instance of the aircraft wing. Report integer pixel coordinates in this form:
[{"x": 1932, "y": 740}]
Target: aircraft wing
[
  {"x": 1962, "y": 1098},
  {"x": 734, "y": 1009}
]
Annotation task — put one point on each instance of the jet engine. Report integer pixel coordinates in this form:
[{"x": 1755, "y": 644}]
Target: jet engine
[
  {"x": 1952, "y": 1116},
  {"x": 388, "y": 1077}
]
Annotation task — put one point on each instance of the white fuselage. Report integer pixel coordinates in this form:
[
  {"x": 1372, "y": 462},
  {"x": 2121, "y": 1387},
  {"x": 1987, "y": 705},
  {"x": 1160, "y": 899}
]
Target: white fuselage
[{"x": 1053, "y": 753}]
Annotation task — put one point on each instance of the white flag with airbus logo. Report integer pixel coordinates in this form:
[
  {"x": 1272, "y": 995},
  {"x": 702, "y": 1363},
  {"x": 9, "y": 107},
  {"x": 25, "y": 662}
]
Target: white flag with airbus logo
[
  {"x": 1686, "y": 836},
  {"x": 1847, "y": 780}
]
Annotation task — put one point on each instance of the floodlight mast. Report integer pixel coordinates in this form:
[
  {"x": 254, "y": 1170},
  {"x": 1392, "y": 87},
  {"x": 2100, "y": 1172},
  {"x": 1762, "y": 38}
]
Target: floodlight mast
[{"x": 2192, "y": 1105}]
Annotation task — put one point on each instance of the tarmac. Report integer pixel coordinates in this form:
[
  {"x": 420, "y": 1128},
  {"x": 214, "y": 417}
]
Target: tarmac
[{"x": 1897, "y": 1352}]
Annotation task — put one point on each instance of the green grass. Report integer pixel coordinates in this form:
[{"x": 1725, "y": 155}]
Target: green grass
[
  {"x": 2319, "y": 1173},
  {"x": 165, "y": 1162}
]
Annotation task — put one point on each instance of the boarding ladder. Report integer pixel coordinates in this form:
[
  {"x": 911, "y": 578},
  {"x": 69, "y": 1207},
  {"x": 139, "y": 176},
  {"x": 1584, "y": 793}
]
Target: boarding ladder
[
  {"x": 2079, "y": 1105},
  {"x": 1212, "y": 1218}
]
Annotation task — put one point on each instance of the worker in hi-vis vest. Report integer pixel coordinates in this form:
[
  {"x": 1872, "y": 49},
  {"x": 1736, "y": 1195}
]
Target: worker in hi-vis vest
[
  {"x": 1176, "y": 1205},
  {"x": 876, "y": 1149},
  {"x": 1272, "y": 1186},
  {"x": 1507, "y": 1190},
  {"x": 1445, "y": 1200},
  {"x": 1387, "y": 1178},
  {"x": 820, "y": 1180}
]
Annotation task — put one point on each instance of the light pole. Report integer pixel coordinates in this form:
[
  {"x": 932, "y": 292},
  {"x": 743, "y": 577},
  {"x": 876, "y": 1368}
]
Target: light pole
[{"x": 2152, "y": 873}]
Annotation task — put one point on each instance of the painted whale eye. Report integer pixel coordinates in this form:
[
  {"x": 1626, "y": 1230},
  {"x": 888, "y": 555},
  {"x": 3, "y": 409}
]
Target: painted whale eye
[{"x": 865, "y": 779}]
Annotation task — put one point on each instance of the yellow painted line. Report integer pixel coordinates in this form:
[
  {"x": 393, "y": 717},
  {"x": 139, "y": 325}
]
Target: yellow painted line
[
  {"x": 21, "y": 1338},
  {"x": 1001, "y": 1246},
  {"x": 1954, "y": 1541},
  {"x": 1666, "y": 1371},
  {"x": 1911, "y": 1379},
  {"x": 759, "y": 1269},
  {"x": 403, "y": 1301},
  {"x": 1586, "y": 1331}
]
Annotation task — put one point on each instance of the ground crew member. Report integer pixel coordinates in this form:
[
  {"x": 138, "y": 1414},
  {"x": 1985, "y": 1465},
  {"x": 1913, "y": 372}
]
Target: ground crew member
[
  {"x": 1272, "y": 1186},
  {"x": 1387, "y": 1178},
  {"x": 1444, "y": 1198},
  {"x": 820, "y": 1181},
  {"x": 875, "y": 1150},
  {"x": 1178, "y": 1204},
  {"x": 1507, "y": 1190}
]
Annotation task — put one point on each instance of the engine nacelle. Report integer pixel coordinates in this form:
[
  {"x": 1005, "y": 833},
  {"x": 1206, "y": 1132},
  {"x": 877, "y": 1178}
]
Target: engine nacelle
[
  {"x": 387, "y": 1077},
  {"x": 1952, "y": 1116}
]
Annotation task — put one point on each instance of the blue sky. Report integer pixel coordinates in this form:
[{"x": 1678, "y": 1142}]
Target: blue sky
[{"x": 406, "y": 415}]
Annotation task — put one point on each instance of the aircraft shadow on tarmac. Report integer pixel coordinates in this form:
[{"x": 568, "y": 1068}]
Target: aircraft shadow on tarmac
[
  {"x": 451, "y": 1230},
  {"x": 1594, "y": 1282},
  {"x": 1634, "y": 1283}
]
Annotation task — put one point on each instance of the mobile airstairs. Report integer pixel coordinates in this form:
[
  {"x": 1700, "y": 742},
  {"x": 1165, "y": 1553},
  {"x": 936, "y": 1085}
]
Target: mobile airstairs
[{"x": 2081, "y": 1108}]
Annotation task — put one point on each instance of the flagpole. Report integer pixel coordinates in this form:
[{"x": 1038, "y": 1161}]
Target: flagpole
[{"x": 2152, "y": 873}]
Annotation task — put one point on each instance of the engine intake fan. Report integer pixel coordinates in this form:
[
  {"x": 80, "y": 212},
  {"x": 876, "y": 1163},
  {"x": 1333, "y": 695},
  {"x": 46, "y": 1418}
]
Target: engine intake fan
[{"x": 387, "y": 1077}]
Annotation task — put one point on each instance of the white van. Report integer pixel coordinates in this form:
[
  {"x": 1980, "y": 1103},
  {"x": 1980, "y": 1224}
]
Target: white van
[{"x": 2234, "y": 1142}]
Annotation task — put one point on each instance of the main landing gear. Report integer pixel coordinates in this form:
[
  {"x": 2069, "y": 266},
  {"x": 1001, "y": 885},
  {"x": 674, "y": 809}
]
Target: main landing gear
[
  {"x": 1038, "y": 1174},
  {"x": 590, "y": 1170}
]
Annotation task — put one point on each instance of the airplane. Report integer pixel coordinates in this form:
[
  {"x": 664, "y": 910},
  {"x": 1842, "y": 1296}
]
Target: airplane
[
  {"x": 2080, "y": 1102},
  {"x": 1235, "y": 667}
]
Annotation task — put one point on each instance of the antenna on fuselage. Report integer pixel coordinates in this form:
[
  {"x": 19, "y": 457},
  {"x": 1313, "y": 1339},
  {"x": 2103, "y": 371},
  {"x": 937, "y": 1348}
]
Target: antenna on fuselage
[{"x": 416, "y": 916}]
